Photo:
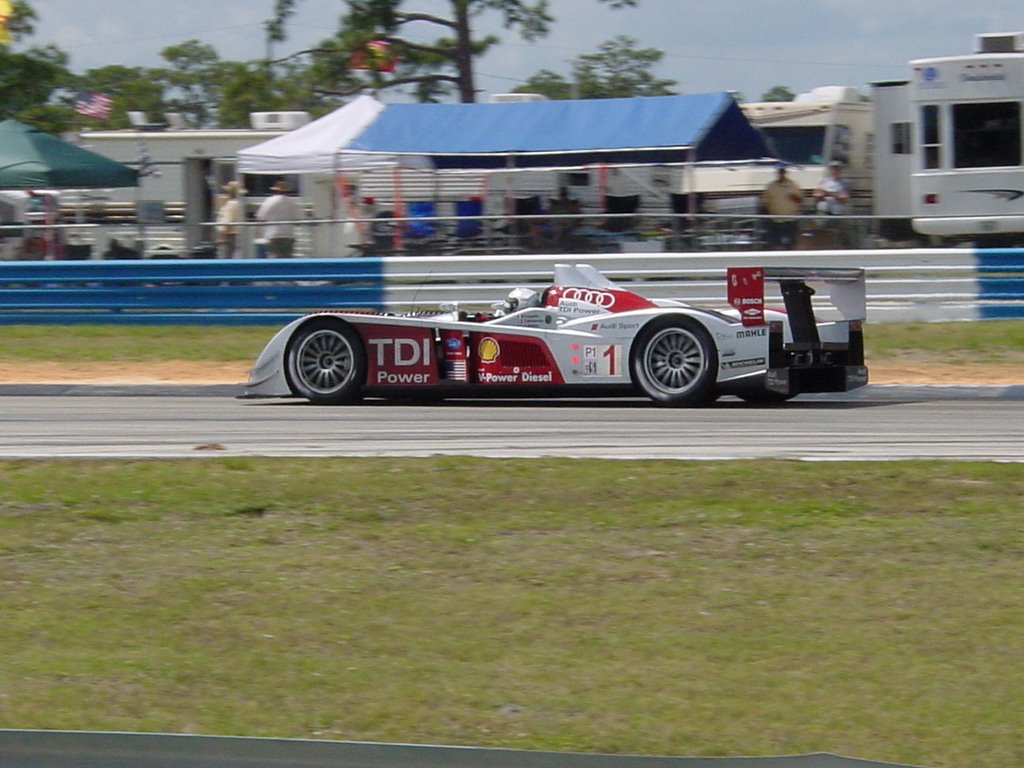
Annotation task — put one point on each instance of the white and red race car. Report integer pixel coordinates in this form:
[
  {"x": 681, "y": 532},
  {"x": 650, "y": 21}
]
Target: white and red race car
[{"x": 583, "y": 335}]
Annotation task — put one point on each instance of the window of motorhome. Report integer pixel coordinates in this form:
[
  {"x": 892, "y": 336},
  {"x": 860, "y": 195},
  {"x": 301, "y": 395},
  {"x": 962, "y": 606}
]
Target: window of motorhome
[
  {"x": 986, "y": 135},
  {"x": 798, "y": 145},
  {"x": 842, "y": 144},
  {"x": 901, "y": 139},
  {"x": 931, "y": 137}
]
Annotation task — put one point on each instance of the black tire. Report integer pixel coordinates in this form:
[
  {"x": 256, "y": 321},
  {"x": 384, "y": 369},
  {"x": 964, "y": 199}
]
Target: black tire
[
  {"x": 675, "y": 362},
  {"x": 325, "y": 362}
]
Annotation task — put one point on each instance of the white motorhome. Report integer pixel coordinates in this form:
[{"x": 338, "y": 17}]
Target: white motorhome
[{"x": 950, "y": 153}]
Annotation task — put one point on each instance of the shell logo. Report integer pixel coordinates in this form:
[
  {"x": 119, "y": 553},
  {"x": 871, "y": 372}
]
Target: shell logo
[{"x": 488, "y": 350}]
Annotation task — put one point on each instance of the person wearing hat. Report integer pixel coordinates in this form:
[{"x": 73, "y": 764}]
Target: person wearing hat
[
  {"x": 278, "y": 214},
  {"x": 230, "y": 216},
  {"x": 782, "y": 199}
]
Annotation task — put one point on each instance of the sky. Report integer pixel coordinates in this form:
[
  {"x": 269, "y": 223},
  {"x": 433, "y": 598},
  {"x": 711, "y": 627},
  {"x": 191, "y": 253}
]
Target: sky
[{"x": 746, "y": 46}]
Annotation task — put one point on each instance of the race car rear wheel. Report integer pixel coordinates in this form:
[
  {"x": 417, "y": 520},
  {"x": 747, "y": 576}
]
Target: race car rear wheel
[
  {"x": 675, "y": 361},
  {"x": 325, "y": 362}
]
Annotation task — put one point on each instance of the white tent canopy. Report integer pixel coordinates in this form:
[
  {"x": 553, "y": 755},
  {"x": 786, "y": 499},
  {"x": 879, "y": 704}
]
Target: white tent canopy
[{"x": 314, "y": 147}]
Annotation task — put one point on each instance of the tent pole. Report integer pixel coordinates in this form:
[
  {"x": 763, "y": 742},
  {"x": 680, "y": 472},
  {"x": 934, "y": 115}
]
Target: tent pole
[
  {"x": 339, "y": 178},
  {"x": 691, "y": 171},
  {"x": 396, "y": 176},
  {"x": 510, "y": 203}
]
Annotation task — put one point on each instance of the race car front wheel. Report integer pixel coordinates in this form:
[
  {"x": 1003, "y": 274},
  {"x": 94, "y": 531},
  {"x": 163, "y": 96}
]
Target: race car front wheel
[
  {"x": 675, "y": 361},
  {"x": 326, "y": 363}
]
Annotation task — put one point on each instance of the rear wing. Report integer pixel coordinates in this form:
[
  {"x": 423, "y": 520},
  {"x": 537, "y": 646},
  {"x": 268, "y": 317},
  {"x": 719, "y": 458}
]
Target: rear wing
[{"x": 845, "y": 285}]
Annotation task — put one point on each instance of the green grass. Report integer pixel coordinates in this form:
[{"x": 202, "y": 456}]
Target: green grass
[
  {"x": 651, "y": 607},
  {"x": 994, "y": 341},
  {"x": 991, "y": 341},
  {"x": 115, "y": 343}
]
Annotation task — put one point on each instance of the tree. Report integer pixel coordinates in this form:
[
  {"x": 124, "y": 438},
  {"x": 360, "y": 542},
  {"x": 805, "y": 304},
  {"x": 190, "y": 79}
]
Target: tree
[
  {"x": 30, "y": 79},
  {"x": 548, "y": 83},
  {"x": 20, "y": 24},
  {"x": 433, "y": 68},
  {"x": 254, "y": 87},
  {"x": 778, "y": 93},
  {"x": 193, "y": 81},
  {"x": 618, "y": 70}
]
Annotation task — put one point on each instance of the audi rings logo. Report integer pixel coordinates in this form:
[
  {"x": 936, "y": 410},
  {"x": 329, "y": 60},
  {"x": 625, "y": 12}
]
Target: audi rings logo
[{"x": 588, "y": 296}]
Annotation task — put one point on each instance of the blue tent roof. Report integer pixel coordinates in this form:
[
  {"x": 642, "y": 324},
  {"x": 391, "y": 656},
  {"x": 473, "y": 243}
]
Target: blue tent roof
[{"x": 656, "y": 129}]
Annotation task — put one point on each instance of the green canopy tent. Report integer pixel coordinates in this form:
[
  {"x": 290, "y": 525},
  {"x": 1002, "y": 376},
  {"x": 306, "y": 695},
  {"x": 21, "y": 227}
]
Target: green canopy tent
[{"x": 32, "y": 159}]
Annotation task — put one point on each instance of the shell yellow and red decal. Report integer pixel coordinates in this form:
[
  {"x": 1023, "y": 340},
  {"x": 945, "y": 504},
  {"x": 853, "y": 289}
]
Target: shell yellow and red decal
[
  {"x": 509, "y": 359},
  {"x": 488, "y": 349}
]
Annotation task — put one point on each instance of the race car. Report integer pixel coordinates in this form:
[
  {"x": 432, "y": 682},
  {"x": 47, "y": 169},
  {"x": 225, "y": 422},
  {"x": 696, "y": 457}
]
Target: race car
[{"x": 582, "y": 335}]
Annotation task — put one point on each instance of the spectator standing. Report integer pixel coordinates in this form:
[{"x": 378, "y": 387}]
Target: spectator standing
[
  {"x": 229, "y": 218},
  {"x": 564, "y": 207},
  {"x": 782, "y": 199},
  {"x": 278, "y": 212},
  {"x": 833, "y": 191},
  {"x": 115, "y": 250}
]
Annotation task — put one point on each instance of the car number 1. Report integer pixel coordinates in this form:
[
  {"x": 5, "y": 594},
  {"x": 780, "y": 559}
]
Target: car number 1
[{"x": 602, "y": 361}]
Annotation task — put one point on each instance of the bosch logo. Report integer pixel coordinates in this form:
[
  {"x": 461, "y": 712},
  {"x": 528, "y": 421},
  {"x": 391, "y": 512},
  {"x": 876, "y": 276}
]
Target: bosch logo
[{"x": 587, "y": 296}]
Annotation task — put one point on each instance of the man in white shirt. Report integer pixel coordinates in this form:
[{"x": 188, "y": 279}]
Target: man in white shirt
[
  {"x": 833, "y": 191},
  {"x": 277, "y": 212}
]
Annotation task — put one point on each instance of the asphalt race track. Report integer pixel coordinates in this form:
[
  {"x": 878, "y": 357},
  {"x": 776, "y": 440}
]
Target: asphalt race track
[{"x": 877, "y": 422}]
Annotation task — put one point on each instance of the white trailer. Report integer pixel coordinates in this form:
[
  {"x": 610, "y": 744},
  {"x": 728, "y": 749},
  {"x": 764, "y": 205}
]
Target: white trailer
[
  {"x": 950, "y": 153},
  {"x": 182, "y": 171}
]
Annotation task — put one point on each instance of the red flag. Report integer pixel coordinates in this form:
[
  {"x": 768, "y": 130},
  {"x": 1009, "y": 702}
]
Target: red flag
[
  {"x": 93, "y": 105},
  {"x": 376, "y": 55}
]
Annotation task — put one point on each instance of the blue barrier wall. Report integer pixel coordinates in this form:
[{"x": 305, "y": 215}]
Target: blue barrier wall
[
  {"x": 1001, "y": 283},
  {"x": 207, "y": 291}
]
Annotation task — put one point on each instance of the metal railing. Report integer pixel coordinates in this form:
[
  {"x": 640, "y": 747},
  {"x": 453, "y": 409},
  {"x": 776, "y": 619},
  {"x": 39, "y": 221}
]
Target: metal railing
[{"x": 658, "y": 232}]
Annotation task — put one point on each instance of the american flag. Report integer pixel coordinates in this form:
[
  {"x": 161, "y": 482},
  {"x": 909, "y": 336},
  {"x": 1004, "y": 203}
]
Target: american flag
[{"x": 93, "y": 105}]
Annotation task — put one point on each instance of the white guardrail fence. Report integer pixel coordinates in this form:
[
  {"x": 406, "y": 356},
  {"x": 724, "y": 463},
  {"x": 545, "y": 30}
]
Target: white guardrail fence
[
  {"x": 79, "y": 749},
  {"x": 902, "y": 285}
]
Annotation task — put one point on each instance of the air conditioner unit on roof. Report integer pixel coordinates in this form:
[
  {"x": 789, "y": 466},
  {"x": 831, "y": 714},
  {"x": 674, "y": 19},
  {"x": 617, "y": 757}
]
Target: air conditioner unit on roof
[
  {"x": 829, "y": 94},
  {"x": 512, "y": 98},
  {"x": 1001, "y": 42},
  {"x": 278, "y": 121}
]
